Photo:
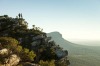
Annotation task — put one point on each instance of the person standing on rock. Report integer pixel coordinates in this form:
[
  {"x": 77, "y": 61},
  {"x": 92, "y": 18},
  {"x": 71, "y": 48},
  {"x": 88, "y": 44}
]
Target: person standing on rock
[{"x": 19, "y": 15}]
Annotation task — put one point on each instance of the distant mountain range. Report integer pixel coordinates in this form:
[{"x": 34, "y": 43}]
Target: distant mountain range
[{"x": 79, "y": 55}]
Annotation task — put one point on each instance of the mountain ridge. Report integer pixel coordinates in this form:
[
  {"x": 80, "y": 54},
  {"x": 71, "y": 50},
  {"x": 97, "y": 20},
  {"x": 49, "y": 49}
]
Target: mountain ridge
[
  {"x": 79, "y": 55},
  {"x": 59, "y": 35}
]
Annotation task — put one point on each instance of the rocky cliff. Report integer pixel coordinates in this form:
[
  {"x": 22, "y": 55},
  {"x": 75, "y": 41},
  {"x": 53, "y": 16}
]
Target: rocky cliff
[{"x": 28, "y": 41}]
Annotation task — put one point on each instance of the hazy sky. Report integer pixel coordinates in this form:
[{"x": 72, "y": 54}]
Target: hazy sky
[{"x": 75, "y": 19}]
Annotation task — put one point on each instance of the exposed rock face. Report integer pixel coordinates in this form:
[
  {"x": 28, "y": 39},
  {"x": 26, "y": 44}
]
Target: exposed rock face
[
  {"x": 3, "y": 51},
  {"x": 12, "y": 60},
  {"x": 9, "y": 60},
  {"x": 60, "y": 53}
]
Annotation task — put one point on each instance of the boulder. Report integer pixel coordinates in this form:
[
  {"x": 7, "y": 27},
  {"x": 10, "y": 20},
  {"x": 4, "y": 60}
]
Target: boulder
[
  {"x": 13, "y": 60},
  {"x": 3, "y": 51}
]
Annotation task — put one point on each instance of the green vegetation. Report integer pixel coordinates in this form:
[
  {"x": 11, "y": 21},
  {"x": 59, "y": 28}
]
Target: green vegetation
[
  {"x": 12, "y": 45},
  {"x": 27, "y": 55},
  {"x": 8, "y": 42},
  {"x": 31, "y": 45},
  {"x": 47, "y": 63}
]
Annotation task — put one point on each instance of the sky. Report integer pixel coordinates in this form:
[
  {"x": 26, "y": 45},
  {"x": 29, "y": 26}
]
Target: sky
[{"x": 76, "y": 20}]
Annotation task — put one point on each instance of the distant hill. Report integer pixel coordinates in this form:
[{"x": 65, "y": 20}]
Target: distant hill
[{"x": 79, "y": 55}]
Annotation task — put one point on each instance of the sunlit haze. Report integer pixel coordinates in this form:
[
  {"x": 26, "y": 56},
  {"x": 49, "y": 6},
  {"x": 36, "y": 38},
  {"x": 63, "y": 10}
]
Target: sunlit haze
[{"x": 76, "y": 20}]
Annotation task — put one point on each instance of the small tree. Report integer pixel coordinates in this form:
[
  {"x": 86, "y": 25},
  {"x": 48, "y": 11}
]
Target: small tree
[{"x": 27, "y": 55}]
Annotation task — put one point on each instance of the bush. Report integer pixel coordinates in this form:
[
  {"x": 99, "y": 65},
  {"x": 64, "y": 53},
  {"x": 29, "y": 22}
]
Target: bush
[
  {"x": 27, "y": 55},
  {"x": 47, "y": 63},
  {"x": 8, "y": 42}
]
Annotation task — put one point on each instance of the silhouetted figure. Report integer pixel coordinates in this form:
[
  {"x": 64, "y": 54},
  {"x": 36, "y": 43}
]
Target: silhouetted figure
[{"x": 19, "y": 15}]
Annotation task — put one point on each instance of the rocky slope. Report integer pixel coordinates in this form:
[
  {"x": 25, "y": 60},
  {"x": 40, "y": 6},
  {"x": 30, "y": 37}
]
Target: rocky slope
[{"x": 28, "y": 45}]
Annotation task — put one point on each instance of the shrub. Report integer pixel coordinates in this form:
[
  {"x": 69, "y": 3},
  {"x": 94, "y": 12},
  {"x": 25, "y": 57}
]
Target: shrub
[
  {"x": 47, "y": 63},
  {"x": 27, "y": 55},
  {"x": 8, "y": 42}
]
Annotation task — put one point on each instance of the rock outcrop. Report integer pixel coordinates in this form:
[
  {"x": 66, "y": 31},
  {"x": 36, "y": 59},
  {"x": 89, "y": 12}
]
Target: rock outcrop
[
  {"x": 9, "y": 59},
  {"x": 12, "y": 60},
  {"x": 34, "y": 39},
  {"x": 3, "y": 51}
]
